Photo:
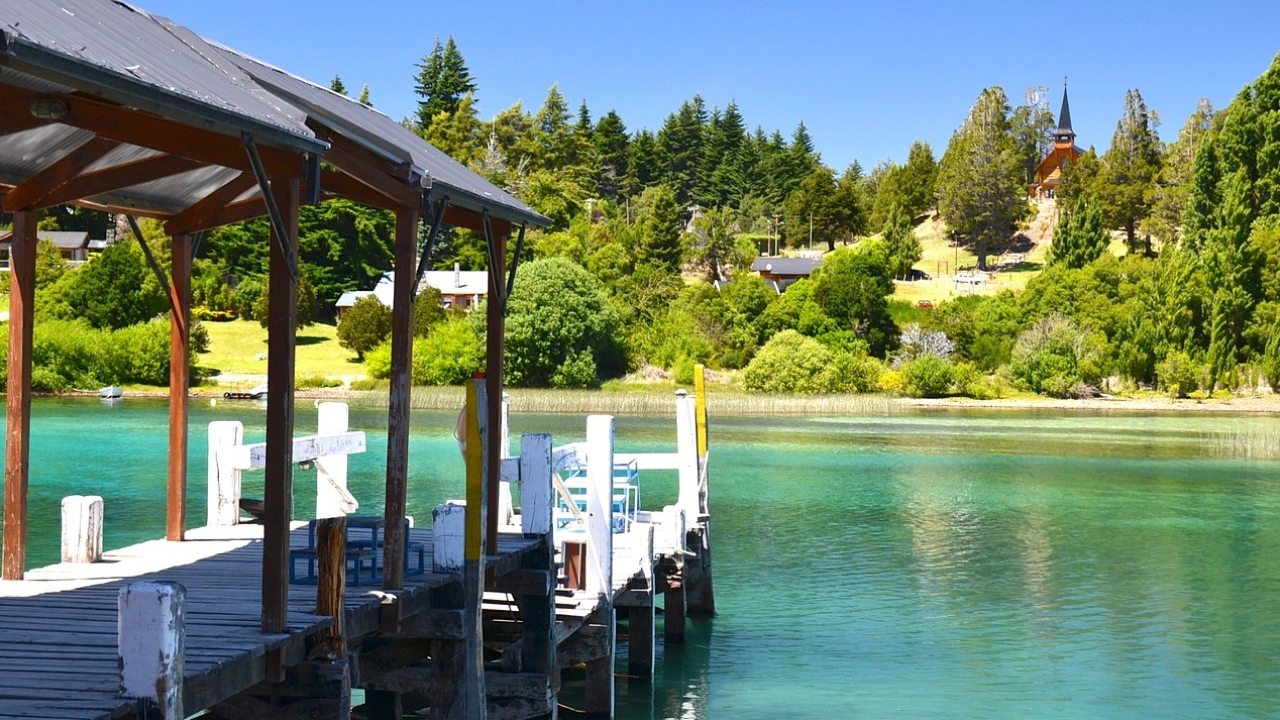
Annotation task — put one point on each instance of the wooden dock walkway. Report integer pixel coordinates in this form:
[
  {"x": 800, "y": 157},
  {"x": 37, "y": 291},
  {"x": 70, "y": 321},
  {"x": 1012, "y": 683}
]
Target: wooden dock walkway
[{"x": 60, "y": 623}]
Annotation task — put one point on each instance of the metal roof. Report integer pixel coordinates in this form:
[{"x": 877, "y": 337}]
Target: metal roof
[
  {"x": 785, "y": 266},
  {"x": 116, "y": 51},
  {"x": 389, "y": 138}
]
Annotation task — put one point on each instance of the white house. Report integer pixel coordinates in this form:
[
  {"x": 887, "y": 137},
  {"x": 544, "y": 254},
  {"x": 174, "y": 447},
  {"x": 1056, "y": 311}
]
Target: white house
[{"x": 458, "y": 288}]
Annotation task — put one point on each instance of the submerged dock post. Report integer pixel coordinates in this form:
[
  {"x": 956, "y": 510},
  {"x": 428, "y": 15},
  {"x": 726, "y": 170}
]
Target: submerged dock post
[{"x": 600, "y": 687}]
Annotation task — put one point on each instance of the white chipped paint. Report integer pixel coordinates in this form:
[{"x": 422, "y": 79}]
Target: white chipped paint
[
  {"x": 151, "y": 643},
  {"x": 536, "y": 494},
  {"x": 449, "y": 532},
  {"x": 332, "y": 498},
  {"x": 600, "y": 504},
  {"x": 82, "y": 517},
  {"x": 224, "y": 480}
]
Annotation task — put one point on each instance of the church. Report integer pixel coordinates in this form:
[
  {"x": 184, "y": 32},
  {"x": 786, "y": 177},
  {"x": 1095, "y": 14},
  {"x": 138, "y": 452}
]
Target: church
[{"x": 1049, "y": 172}]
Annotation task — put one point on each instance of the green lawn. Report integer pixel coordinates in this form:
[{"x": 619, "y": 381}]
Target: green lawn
[{"x": 235, "y": 348}]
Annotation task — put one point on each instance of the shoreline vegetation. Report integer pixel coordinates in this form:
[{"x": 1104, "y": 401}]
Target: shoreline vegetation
[{"x": 657, "y": 400}]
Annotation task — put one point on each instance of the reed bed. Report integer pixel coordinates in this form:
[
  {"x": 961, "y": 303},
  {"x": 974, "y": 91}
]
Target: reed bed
[
  {"x": 725, "y": 404},
  {"x": 1243, "y": 444}
]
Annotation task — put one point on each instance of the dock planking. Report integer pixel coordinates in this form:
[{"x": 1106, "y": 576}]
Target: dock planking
[{"x": 60, "y": 633}]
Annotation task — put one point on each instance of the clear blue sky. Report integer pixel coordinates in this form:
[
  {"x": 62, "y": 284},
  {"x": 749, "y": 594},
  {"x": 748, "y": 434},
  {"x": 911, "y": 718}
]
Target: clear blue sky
[{"x": 866, "y": 77}]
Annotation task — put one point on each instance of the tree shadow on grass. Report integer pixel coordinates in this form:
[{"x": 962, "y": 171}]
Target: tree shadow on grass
[{"x": 311, "y": 339}]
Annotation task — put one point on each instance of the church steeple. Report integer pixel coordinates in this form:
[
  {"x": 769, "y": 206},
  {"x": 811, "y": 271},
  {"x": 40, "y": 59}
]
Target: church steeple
[{"x": 1064, "y": 135}]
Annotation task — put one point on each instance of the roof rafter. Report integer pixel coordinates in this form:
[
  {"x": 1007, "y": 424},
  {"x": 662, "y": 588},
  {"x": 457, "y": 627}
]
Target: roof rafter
[
  {"x": 203, "y": 214},
  {"x": 28, "y": 195},
  {"x": 118, "y": 177}
]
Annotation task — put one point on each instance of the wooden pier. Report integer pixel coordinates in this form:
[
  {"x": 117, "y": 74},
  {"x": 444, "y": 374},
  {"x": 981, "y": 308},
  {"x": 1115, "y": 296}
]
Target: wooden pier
[{"x": 419, "y": 648}]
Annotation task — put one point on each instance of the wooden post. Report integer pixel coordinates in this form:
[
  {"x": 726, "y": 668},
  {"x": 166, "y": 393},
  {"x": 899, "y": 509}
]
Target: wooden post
[
  {"x": 179, "y": 378},
  {"x": 81, "y": 529},
  {"x": 506, "y": 512},
  {"x": 474, "y": 701},
  {"x": 398, "y": 414},
  {"x": 673, "y": 618},
  {"x": 495, "y": 341},
  {"x": 278, "y": 495},
  {"x": 331, "y": 543},
  {"x": 687, "y": 451},
  {"x": 448, "y": 542},
  {"x": 600, "y": 687},
  {"x": 538, "y": 638},
  {"x": 224, "y": 478},
  {"x": 152, "y": 645},
  {"x": 640, "y": 613},
  {"x": 22, "y": 285}
]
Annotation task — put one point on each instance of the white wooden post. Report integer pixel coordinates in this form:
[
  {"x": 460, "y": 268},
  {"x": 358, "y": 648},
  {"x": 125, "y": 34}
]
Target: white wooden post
[
  {"x": 536, "y": 492},
  {"x": 151, "y": 644},
  {"x": 332, "y": 499},
  {"x": 449, "y": 530},
  {"x": 687, "y": 450},
  {"x": 224, "y": 479},
  {"x": 600, "y": 505},
  {"x": 506, "y": 513},
  {"x": 81, "y": 529}
]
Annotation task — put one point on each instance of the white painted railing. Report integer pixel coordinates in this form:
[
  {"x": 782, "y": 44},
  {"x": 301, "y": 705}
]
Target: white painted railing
[{"x": 327, "y": 451}]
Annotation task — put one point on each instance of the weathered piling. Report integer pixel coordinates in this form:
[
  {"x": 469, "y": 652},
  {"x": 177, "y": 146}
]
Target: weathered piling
[
  {"x": 82, "y": 518},
  {"x": 151, "y": 646}
]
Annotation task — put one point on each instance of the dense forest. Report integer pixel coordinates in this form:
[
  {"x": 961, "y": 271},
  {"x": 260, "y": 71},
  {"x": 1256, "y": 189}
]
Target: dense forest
[{"x": 646, "y": 265}]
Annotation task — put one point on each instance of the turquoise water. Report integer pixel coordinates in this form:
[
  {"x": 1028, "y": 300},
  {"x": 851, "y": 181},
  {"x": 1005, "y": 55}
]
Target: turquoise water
[{"x": 922, "y": 564}]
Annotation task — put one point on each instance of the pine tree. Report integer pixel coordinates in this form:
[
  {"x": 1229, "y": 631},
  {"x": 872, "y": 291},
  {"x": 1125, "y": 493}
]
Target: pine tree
[
  {"x": 660, "y": 245},
  {"x": 903, "y": 245},
  {"x": 1079, "y": 238},
  {"x": 980, "y": 183},
  {"x": 611, "y": 146},
  {"x": 442, "y": 83},
  {"x": 679, "y": 148},
  {"x": 1130, "y": 167},
  {"x": 364, "y": 97},
  {"x": 1174, "y": 182},
  {"x": 457, "y": 132},
  {"x": 336, "y": 85},
  {"x": 1032, "y": 126},
  {"x": 643, "y": 153}
]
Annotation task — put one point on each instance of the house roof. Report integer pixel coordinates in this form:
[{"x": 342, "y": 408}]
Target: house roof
[
  {"x": 448, "y": 282},
  {"x": 65, "y": 240},
  {"x": 391, "y": 140},
  {"x": 786, "y": 266}
]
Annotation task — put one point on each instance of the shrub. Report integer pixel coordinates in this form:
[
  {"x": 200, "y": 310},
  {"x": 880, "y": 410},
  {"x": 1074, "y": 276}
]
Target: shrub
[
  {"x": 447, "y": 356},
  {"x": 364, "y": 326},
  {"x": 891, "y": 382},
  {"x": 856, "y": 373},
  {"x": 927, "y": 376},
  {"x": 1057, "y": 357},
  {"x": 789, "y": 363},
  {"x": 199, "y": 338},
  {"x": 1177, "y": 374},
  {"x": 311, "y": 382},
  {"x": 427, "y": 311},
  {"x": 378, "y": 361},
  {"x": 365, "y": 384}
]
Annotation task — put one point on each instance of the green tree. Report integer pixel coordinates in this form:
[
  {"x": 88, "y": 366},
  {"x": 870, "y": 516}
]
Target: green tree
[
  {"x": 115, "y": 289},
  {"x": 901, "y": 242},
  {"x": 715, "y": 243},
  {"x": 448, "y": 355},
  {"x": 457, "y": 132},
  {"x": 427, "y": 311},
  {"x": 1081, "y": 180},
  {"x": 1079, "y": 238},
  {"x": 1174, "y": 181},
  {"x": 364, "y": 326},
  {"x": 337, "y": 85},
  {"x": 660, "y": 231},
  {"x": 1130, "y": 167},
  {"x": 443, "y": 80},
  {"x": 559, "y": 323},
  {"x": 613, "y": 161},
  {"x": 306, "y": 306},
  {"x": 820, "y": 210},
  {"x": 364, "y": 97},
  {"x": 852, "y": 288},
  {"x": 918, "y": 180},
  {"x": 981, "y": 193},
  {"x": 1032, "y": 125},
  {"x": 1058, "y": 357},
  {"x": 678, "y": 149}
]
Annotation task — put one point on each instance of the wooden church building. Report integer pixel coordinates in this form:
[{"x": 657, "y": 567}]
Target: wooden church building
[{"x": 1049, "y": 172}]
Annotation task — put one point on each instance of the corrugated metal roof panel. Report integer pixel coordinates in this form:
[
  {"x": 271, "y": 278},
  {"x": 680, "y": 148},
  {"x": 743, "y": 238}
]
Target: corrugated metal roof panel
[
  {"x": 114, "y": 49},
  {"x": 381, "y": 134}
]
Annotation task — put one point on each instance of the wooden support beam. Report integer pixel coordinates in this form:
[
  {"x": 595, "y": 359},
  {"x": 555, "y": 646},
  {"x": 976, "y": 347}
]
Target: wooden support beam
[
  {"x": 397, "y": 488},
  {"x": 388, "y": 179},
  {"x": 28, "y": 195},
  {"x": 435, "y": 625},
  {"x": 179, "y": 379},
  {"x": 278, "y": 483},
  {"x": 121, "y": 176},
  {"x": 22, "y": 279},
  {"x": 200, "y": 216},
  {"x": 127, "y": 125},
  {"x": 340, "y": 184},
  {"x": 495, "y": 341}
]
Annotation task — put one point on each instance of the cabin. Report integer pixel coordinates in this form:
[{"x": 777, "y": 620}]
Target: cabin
[
  {"x": 74, "y": 246},
  {"x": 1048, "y": 174},
  {"x": 462, "y": 289},
  {"x": 781, "y": 273}
]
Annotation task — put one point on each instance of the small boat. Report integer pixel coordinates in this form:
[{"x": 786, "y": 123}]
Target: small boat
[
  {"x": 257, "y": 393},
  {"x": 110, "y": 392}
]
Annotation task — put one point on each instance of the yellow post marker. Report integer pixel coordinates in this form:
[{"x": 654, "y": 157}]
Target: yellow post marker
[
  {"x": 700, "y": 412},
  {"x": 474, "y": 454}
]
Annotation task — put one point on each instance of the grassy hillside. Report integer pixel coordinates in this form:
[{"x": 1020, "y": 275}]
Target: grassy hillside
[{"x": 238, "y": 350}]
